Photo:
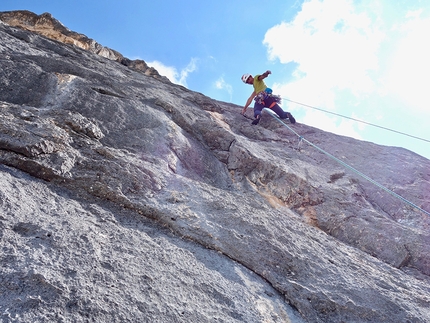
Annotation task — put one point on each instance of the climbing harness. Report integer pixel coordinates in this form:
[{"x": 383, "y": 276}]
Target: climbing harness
[
  {"x": 267, "y": 99},
  {"x": 350, "y": 167}
]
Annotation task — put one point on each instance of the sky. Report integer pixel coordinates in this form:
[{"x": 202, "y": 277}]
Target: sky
[{"x": 367, "y": 60}]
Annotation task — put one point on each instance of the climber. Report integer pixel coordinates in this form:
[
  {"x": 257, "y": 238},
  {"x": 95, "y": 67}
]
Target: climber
[{"x": 263, "y": 98}]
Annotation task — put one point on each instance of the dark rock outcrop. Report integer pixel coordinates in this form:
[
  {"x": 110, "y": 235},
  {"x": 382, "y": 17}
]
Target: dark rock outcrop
[{"x": 128, "y": 198}]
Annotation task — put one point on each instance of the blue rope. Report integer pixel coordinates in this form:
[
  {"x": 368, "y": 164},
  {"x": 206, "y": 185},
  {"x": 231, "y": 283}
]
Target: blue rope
[{"x": 350, "y": 167}]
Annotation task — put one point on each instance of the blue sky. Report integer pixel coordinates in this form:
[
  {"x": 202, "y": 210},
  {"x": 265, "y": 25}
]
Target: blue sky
[{"x": 367, "y": 59}]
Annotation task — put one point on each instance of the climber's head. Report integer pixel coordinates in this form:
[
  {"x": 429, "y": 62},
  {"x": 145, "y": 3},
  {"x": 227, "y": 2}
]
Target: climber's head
[{"x": 247, "y": 78}]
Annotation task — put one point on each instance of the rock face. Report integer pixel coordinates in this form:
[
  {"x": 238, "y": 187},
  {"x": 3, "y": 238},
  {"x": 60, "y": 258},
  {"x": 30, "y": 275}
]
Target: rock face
[
  {"x": 50, "y": 27},
  {"x": 125, "y": 198}
]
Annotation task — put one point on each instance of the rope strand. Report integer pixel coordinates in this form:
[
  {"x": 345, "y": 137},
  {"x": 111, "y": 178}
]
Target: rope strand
[
  {"x": 358, "y": 120},
  {"x": 351, "y": 168}
]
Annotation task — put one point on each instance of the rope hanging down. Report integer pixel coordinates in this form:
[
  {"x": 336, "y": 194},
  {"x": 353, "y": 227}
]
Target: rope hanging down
[
  {"x": 351, "y": 168},
  {"x": 358, "y": 120}
]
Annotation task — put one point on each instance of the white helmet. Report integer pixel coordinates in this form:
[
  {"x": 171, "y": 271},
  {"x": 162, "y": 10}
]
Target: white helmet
[{"x": 245, "y": 77}]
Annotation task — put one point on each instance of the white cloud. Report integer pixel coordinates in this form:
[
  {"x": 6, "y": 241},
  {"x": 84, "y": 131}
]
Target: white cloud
[
  {"x": 408, "y": 69},
  {"x": 191, "y": 67},
  {"x": 354, "y": 56},
  {"x": 334, "y": 45},
  {"x": 172, "y": 73},
  {"x": 323, "y": 121},
  {"x": 221, "y": 84},
  {"x": 168, "y": 71}
]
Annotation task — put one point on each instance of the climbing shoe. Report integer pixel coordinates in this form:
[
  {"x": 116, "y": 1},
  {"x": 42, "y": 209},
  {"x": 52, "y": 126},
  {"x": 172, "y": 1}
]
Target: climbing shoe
[
  {"x": 291, "y": 118},
  {"x": 256, "y": 121}
]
